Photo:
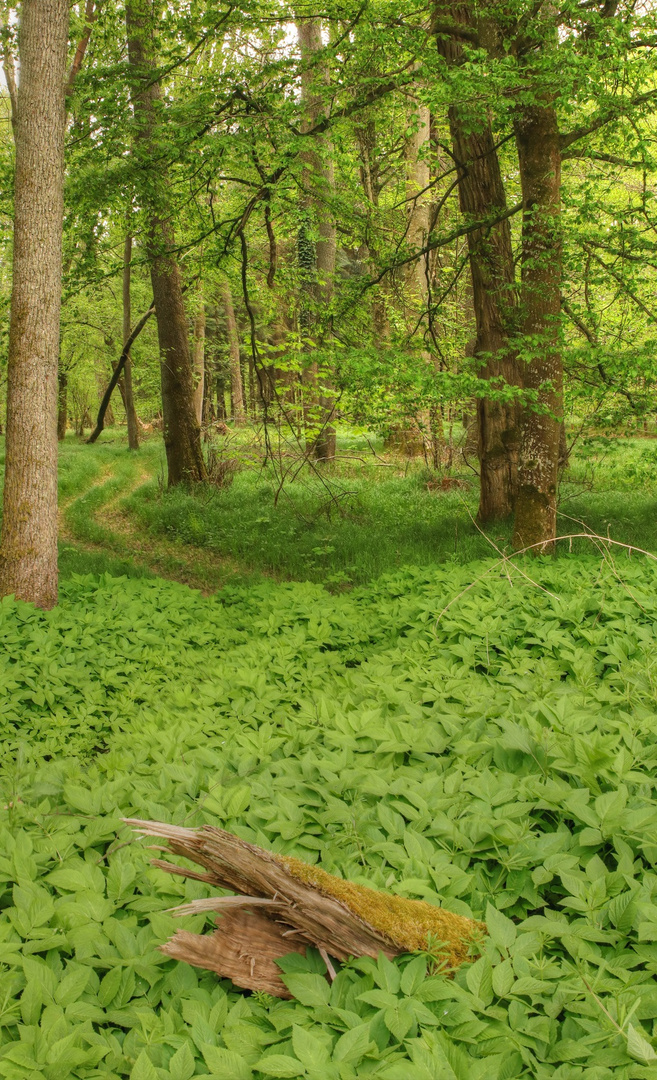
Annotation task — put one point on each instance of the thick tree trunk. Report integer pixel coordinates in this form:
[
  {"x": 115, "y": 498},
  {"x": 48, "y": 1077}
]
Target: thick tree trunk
[
  {"x": 62, "y": 404},
  {"x": 316, "y": 258},
  {"x": 182, "y": 433},
  {"x": 539, "y": 158},
  {"x": 481, "y": 193},
  {"x": 28, "y": 558},
  {"x": 233, "y": 339},
  {"x": 126, "y": 388},
  {"x": 199, "y": 361}
]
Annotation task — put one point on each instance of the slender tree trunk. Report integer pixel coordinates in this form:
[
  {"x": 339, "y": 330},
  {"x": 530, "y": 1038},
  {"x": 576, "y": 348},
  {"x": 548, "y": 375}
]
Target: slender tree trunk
[
  {"x": 199, "y": 361},
  {"x": 316, "y": 258},
  {"x": 28, "y": 557},
  {"x": 62, "y": 404},
  {"x": 539, "y": 158},
  {"x": 366, "y": 136},
  {"x": 428, "y": 422},
  {"x": 232, "y": 337},
  {"x": 482, "y": 193},
  {"x": 182, "y": 433},
  {"x": 127, "y": 390},
  {"x": 418, "y": 203}
]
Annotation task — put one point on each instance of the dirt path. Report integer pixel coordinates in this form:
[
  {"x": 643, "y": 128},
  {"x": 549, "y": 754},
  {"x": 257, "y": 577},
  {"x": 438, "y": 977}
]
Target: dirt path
[{"x": 190, "y": 565}]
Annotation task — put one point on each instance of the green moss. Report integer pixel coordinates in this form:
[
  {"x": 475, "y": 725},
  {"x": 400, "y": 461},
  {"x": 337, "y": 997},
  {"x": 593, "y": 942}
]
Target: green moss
[{"x": 409, "y": 925}]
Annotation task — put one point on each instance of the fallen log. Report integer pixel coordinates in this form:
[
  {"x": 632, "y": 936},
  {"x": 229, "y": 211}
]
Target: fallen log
[{"x": 285, "y": 904}]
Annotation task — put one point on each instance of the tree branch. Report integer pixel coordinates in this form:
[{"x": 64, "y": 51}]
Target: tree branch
[
  {"x": 90, "y": 16},
  {"x": 605, "y": 117},
  {"x": 107, "y": 396}
]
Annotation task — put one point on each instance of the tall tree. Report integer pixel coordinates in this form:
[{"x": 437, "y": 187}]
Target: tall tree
[
  {"x": 233, "y": 340},
  {"x": 482, "y": 194},
  {"x": 28, "y": 556},
  {"x": 539, "y": 158},
  {"x": 316, "y": 254},
  {"x": 182, "y": 432},
  {"x": 125, "y": 385}
]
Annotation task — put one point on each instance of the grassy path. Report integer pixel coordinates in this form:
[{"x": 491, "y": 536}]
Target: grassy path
[{"x": 97, "y": 534}]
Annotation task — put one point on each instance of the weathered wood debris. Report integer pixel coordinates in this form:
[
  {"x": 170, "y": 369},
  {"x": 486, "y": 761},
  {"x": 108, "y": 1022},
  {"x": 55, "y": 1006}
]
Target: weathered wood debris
[{"x": 283, "y": 905}]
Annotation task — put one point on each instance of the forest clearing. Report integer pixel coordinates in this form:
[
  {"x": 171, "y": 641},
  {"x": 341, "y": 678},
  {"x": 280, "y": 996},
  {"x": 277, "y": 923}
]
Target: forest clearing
[{"x": 328, "y": 553}]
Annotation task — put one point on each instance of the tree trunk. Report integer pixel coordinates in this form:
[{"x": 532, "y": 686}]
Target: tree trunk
[
  {"x": 428, "y": 422},
  {"x": 232, "y": 337},
  {"x": 539, "y": 158},
  {"x": 100, "y": 374},
  {"x": 316, "y": 258},
  {"x": 127, "y": 391},
  {"x": 418, "y": 202},
  {"x": 369, "y": 175},
  {"x": 182, "y": 433},
  {"x": 62, "y": 404},
  {"x": 199, "y": 360},
  {"x": 28, "y": 559},
  {"x": 481, "y": 193}
]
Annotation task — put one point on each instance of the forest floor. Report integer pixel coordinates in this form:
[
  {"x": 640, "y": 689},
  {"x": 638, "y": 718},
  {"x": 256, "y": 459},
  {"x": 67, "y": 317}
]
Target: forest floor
[
  {"x": 344, "y": 525},
  {"x": 359, "y": 682}
]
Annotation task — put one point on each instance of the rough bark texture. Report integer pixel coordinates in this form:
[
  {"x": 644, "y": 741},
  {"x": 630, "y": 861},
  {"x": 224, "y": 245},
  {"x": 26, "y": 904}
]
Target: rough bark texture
[
  {"x": 233, "y": 339},
  {"x": 127, "y": 390},
  {"x": 28, "y": 558},
  {"x": 316, "y": 257},
  {"x": 199, "y": 361},
  {"x": 182, "y": 433},
  {"x": 539, "y": 158},
  {"x": 288, "y": 904},
  {"x": 481, "y": 193}
]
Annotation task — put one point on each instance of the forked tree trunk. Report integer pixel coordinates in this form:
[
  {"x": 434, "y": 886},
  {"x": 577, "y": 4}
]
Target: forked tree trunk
[
  {"x": 481, "y": 194},
  {"x": 199, "y": 361},
  {"x": 182, "y": 433},
  {"x": 28, "y": 558},
  {"x": 233, "y": 339},
  {"x": 539, "y": 158},
  {"x": 128, "y": 393},
  {"x": 316, "y": 257}
]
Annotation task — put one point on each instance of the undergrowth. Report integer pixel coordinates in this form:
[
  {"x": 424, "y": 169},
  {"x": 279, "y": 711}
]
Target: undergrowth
[{"x": 497, "y": 758}]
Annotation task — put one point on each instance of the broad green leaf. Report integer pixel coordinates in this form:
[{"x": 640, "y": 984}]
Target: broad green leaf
[
  {"x": 280, "y": 1065},
  {"x": 502, "y": 931},
  {"x": 312, "y": 990},
  {"x": 638, "y": 1046},
  {"x": 182, "y": 1064}
]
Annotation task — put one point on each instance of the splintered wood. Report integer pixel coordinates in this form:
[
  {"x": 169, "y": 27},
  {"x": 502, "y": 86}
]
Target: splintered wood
[{"x": 285, "y": 904}]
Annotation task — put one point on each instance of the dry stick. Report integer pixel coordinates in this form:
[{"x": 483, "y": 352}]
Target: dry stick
[
  {"x": 100, "y": 422},
  {"x": 606, "y": 556},
  {"x": 541, "y": 543}
]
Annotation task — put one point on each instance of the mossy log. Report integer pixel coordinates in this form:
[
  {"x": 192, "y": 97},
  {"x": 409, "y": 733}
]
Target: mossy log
[{"x": 285, "y": 904}]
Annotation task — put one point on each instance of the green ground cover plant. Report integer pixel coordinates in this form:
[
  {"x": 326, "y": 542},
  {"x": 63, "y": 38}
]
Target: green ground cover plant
[{"x": 497, "y": 757}]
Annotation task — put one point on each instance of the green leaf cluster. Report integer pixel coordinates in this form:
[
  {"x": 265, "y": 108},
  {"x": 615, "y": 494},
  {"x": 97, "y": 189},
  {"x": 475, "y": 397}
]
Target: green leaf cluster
[{"x": 497, "y": 757}]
